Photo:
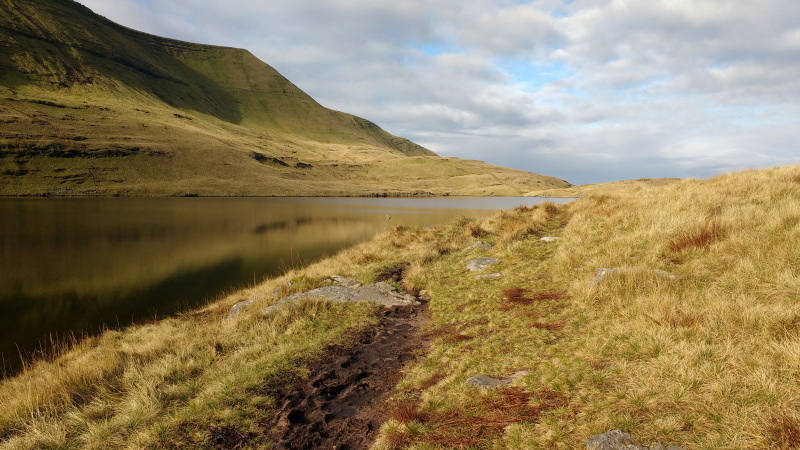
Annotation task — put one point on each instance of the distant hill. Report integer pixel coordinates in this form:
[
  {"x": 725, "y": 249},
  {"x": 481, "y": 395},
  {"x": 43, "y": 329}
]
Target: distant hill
[
  {"x": 89, "y": 107},
  {"x": 609, "y": 188}
]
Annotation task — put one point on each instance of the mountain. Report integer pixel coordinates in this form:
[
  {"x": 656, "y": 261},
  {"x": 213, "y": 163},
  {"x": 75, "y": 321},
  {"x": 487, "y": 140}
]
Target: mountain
[{"x": 89, "y": 107}]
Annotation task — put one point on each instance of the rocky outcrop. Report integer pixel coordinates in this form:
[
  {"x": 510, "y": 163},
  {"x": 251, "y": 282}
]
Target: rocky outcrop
[
  {"x": 239, "y": 307},
  {"x": 381, "y": 292},
  {"x": 619, "y": 440}
]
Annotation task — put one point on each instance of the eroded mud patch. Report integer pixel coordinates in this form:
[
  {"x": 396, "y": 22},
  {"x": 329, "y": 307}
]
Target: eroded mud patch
[{"x": 342, "y": 404}]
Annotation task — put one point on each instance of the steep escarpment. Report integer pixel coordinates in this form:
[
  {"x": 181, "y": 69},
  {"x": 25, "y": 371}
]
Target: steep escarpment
[{"x": 89, "y": 107}]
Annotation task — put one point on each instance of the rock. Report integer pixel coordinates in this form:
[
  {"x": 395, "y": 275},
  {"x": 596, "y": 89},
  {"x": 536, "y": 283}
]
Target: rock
[
  {"x": 619, "y": 440},
  {"x": 276, "y": 293},
  {"x": 478, "y": 264},
  {"x": 481, "y": 245},
  {"x": 549, "y": 239},
  {"x": 425, "y": 295},
  {"x": 346, "y": 282},
  {"x": 238, "y": 307},
  {"x": 603, "y": 272},
  {"x": 381, "y": 292},
  {"x": 485, "y": 382},
  {"x": 612, "y": 440},
  {"x": 488, "y": 276}
]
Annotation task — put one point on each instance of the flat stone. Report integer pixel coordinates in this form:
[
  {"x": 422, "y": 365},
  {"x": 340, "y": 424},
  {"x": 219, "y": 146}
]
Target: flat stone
[
  {"x": 481, "y": 245},
  {"x": 619, "y": 440},
  {"x": 485, "y": 382},
  {"x": 238, "y": 307},
  {"x": 478, "y": 264},
  {"x": 549, "y": 239},
  {"x": 488, "y": 276},
  {"x": 612, "y": 440},
  {"x": 381, "y": 292}
]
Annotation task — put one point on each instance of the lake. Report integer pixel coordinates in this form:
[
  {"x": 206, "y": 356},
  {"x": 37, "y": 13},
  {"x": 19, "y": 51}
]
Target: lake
[{"x": 74, "y": 266}]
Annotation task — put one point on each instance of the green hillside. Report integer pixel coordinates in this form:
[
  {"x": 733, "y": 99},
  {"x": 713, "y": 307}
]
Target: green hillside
[{"x": 89, "y": 107}]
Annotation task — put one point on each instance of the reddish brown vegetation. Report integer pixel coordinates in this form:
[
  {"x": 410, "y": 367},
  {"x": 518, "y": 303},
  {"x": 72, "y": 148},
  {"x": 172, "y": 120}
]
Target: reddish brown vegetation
[
  {"x": 433, "y": 380},
  {"x": 404, "y": 411},
  {"x": 555, "y": 326},
  {"x": 517, "y": 295},
  {"x": 457, "y": 337},
  {"x": 478, "y": 423},
  {"x": 785, "y": 433},
  {"x": 699, "y": 238},
  {"x": 477, "y": 231},
  {"x": 531, "y": 315}
]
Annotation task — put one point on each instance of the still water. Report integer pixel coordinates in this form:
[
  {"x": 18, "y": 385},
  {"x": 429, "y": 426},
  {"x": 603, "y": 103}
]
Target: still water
[{"x": 73, "y": 266}]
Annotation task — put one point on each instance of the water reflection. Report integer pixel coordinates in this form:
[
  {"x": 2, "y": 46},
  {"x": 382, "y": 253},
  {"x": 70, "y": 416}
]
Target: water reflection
[{"x": 75, "y": 265}]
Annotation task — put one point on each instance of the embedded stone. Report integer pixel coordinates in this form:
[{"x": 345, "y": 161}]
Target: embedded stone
[
  {"x": 345, "y": 282},
  {"x": 485, "y": 382},
  {"x": 481, "y": 245},
  {"x": 619, "y": 440},
  {"x": 488, "y": 276},
  {"x": 478, "y": 264},
  {"x": 238, "y": 307},
  {"x": 381, "y": 292}
]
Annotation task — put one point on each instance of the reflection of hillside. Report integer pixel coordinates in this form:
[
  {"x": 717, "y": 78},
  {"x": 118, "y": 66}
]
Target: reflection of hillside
[
  {"x": 97, "y": 255},
  {"x": 27, "y": 319}
]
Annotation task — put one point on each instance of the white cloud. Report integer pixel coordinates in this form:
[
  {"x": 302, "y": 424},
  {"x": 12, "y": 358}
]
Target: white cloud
[{"x": 588, "y": 90}]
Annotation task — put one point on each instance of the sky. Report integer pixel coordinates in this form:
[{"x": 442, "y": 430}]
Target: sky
[{"x": 584, "y": 90}]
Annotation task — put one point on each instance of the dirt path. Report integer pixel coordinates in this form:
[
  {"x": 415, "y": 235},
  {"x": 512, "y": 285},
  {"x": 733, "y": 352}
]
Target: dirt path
[{"x": 341, "y": 405}]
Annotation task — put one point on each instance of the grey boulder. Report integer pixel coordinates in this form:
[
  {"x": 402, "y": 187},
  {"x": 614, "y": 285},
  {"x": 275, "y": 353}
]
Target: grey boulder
[
  {"x": 619, "y": 440},
  {"x": 478, "y": 264},
  {"x": 381, "y": 292}
]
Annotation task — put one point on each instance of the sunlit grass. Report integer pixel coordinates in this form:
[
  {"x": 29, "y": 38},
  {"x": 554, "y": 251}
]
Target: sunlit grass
[{"x": 707, "y": 359}]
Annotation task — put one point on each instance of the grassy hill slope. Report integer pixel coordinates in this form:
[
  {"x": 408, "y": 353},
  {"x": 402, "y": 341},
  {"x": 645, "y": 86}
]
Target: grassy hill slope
[
  {"x": 705, "y": 359},
  {"x": 608, "y": 188},
  {"x": 89, "y": 107}
]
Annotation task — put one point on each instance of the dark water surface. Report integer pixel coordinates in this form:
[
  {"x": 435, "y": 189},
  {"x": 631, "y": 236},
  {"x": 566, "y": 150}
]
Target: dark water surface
[{"x": 72, "y": 266}]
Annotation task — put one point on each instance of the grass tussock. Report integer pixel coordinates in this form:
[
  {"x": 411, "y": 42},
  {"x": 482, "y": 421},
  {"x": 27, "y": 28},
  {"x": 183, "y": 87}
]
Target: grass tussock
[{"x": 697, "y": 238}]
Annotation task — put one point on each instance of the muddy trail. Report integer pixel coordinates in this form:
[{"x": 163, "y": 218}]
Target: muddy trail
[{"x": 342, "y": 404}]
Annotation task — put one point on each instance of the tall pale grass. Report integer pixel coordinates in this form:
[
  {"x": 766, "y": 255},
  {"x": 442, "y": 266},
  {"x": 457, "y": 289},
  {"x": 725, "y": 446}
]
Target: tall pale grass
[{"x": 709, "y": 358}]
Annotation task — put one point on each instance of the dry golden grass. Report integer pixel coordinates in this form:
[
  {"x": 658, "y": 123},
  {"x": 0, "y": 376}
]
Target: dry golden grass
[
  {"x": 708, "y": 359},
  {"x": 610, "y": 188}
]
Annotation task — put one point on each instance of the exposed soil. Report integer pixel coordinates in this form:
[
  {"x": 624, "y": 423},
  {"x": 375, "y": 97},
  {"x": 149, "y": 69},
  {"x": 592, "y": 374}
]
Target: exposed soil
[{"x": 342, "y": 405}]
